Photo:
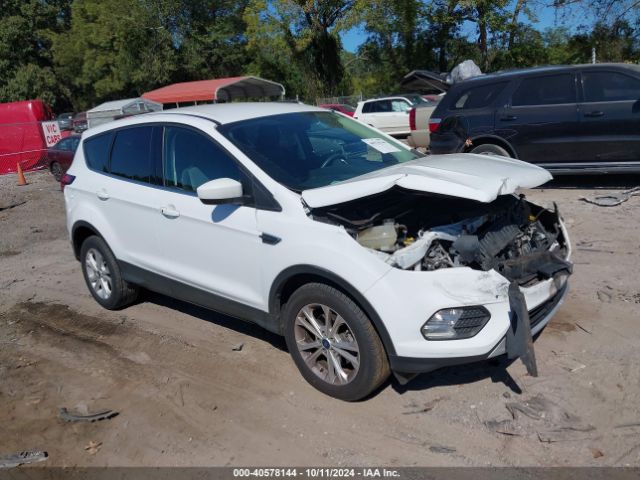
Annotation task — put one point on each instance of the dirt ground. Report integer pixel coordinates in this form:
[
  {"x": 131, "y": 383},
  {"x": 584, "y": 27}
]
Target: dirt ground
[{"x": 187, "y": 396}]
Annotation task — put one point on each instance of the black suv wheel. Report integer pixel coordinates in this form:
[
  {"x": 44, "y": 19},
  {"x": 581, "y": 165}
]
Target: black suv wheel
[{"x": 490, "y": 149}]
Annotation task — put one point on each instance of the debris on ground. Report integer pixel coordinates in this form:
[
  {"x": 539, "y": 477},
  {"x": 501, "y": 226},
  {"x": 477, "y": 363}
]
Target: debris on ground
[
  {"x": 584, "y": 329},
  {"x": 96, "y": 417},
  {"x": 603, "y": 296},
  {"x": 552, "y": 422},
  {"x": 441, "y": 449},
  {"x": 427, "y": 407},
  {"x": 504, "y": 427},
  {"x": 596, "y": 452},
  {"x": 568, "y": 363},
  {"x": 13, "y": 205},
  {"x": 613, "y": 199},
  {"x": 238, "y": 348},
  {"x": 93, "y": 447},
  {"x": 533, "y": 409},
  {"x": 22, "y": 458},
  {"x": 566, "y": 434}
]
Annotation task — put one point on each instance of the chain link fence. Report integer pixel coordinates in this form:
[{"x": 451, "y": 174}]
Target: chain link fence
[
  {"x": 347, "y": 99},
  {"x": 26, "y": 144}
]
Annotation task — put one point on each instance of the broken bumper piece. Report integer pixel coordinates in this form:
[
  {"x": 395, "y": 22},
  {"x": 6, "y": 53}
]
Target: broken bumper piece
[{"x": 516, "y": 343}]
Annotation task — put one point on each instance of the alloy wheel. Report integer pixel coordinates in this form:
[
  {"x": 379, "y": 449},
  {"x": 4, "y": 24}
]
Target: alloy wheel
[
  {"x": 327, "y": 344},
  {"x": 98, "y": 274}
]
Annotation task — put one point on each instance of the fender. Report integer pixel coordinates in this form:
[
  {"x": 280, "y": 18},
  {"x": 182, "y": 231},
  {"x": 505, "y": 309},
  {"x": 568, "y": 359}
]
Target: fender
[
  {"x": 321, "y": 274},
  {"x": 81, "y": 224}
]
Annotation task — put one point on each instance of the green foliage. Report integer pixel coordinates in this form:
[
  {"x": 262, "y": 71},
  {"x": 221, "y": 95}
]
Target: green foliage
[
  {"x": 299, "y": 40},
  {"x": 115, "y": 49},
  {"x": 27, "y": 28},
  {"x": 212, "y": 39},
  {"x": 78, "y": 53}
]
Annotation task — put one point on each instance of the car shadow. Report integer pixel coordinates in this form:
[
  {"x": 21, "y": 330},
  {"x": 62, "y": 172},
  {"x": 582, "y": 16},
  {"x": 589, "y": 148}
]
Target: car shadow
[
  {"x": 240, "y": 326},
  {"x": 595, "y": 182},
  {"x": 495, "y": 369}
]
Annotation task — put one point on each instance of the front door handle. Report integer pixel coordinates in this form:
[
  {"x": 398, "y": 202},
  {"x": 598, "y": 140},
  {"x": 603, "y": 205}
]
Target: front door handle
[
  {"x": 170, "y": 211},
  {"x": 595, "y": 113},
  {"x": 102, "y": 194},
  {"x": 508, "y": 118}
]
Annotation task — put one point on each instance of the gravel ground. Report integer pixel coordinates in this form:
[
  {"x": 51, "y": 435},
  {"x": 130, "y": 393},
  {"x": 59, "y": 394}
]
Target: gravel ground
[{"x": 186, "y": 396}]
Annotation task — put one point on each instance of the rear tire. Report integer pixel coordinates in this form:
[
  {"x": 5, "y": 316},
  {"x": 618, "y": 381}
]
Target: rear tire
[
  {"x": 490, "y": 149},
  {"x": 56, "y": 171},
  {"x": 338, "y": 351},
  {"x": 103, "y": 277}
]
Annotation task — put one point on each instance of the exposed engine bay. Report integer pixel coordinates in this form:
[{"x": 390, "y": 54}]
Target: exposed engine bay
[{"x": 424, "y": 232}]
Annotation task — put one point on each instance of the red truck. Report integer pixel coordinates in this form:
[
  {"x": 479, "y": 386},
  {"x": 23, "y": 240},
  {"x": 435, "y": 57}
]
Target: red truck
[{"x": 27, "y": 129}]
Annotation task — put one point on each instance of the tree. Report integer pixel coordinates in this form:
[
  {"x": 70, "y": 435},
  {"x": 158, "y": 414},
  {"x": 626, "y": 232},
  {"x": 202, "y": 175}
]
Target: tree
[
  {"x": 116, "y": 49},
  {"x": 27, "y": 30},
  {"x": 491, "y": 17},
  {"x": 212, "y": 39},
  {"x": 301, "y": 35}
]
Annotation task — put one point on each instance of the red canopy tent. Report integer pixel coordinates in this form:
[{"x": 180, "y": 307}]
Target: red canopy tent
[{"x": 218, "y": 89}]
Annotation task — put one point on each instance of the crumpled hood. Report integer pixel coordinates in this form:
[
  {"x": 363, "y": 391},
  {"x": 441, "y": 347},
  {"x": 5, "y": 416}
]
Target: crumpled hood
[{"x": 464, "y": 175}]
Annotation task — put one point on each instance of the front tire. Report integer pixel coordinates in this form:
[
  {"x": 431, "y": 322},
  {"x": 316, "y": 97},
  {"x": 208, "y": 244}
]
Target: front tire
[
  {"x": 103, "y": 277},
  {"x": 490, "y": 149},
  {"x": 333, "y": 343}
]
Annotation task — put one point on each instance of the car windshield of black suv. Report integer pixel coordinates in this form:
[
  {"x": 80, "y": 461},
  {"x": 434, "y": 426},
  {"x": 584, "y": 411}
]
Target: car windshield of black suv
[{"x": 314, "y": 149}]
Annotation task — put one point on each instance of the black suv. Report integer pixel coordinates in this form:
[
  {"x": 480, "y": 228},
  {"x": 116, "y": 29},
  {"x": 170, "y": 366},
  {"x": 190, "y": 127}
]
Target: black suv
[{"x": 569, "y": 119}]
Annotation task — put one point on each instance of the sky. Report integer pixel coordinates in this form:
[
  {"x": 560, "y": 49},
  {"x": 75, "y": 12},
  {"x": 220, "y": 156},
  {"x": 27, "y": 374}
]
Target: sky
[{"x": 547, "y": 17}]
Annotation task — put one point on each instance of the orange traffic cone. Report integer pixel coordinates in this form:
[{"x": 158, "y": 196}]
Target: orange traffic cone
[{"x": 21, "y": 180}]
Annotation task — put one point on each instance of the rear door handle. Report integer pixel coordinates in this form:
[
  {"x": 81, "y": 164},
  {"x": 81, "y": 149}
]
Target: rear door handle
[
  {"x": 595, "y": 113},
  {"x": 170, "y": 211},
  {"x": 102, "y": 194},
  {"x": 508, "y": 118}
]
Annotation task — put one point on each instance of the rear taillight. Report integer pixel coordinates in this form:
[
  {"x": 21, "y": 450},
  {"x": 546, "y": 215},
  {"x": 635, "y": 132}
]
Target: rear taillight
[
  {"x": 66, "y": 180},
  {"x": 412, "y": 119},
  {"x": 434, "y": 125}
]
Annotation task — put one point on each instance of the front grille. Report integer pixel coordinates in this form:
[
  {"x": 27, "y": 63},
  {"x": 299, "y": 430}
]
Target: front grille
[{"x": 536, "y": 315}]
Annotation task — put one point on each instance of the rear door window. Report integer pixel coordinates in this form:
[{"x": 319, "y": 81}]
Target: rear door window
[
  {"x": 131, "y": 156},
  {"x": 400, "y": 106},
  {"x": 547, "y": 90},
  {"x": 478, "y": 97},
  {"x": 96, "y": 152},
  {"x": 610, "y": 87}
]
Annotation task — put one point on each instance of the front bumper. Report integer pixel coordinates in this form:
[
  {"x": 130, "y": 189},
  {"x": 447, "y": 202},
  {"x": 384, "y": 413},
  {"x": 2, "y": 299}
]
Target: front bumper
[{"x": 539, "y": 316}]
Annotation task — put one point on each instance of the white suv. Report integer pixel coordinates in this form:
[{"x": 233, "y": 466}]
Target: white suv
[
  {"x": 389, "y": 114},
  {"x": 365, "y": 255}
]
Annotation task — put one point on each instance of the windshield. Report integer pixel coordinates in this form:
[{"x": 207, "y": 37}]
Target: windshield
[
  {"x": 313, "y": 149},
  {"x": 348, "y": 108}
]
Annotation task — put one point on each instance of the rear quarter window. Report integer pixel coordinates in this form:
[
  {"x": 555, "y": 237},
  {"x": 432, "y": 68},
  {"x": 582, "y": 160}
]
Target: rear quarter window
[
  {"x": 131, "y": 156},
  {"x": 477, "y": 97},
  {"x": 96, "y": 152}
]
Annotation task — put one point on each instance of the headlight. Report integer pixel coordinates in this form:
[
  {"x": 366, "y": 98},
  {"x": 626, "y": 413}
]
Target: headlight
[{"x": 455, "y": 323}]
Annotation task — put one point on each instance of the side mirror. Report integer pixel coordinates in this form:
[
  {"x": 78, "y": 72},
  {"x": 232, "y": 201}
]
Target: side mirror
[{"x": 219, "y": 191}]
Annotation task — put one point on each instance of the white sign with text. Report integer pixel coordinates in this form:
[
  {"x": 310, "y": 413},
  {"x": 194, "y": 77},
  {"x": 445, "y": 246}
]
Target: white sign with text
[{"x": 51, "y": 131}]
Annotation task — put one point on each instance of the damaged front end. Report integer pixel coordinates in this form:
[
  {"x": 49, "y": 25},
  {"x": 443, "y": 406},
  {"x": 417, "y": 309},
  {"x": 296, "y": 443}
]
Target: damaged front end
[
  {"x": 419, "y": 231},
  {"x": 524, "y": 243}
]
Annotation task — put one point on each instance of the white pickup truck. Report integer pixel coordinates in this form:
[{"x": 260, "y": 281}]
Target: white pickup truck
[{"x": 419, "y": 124}]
